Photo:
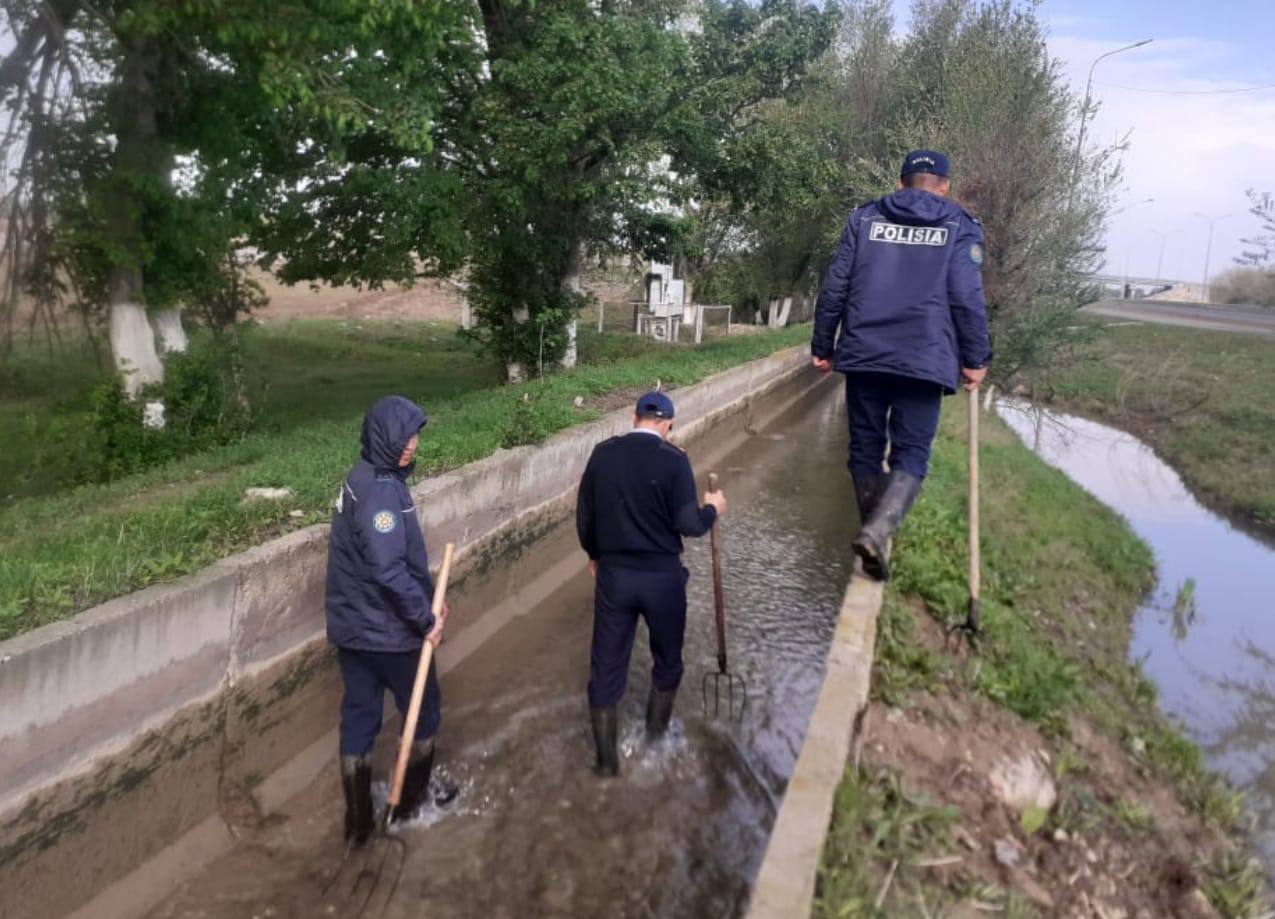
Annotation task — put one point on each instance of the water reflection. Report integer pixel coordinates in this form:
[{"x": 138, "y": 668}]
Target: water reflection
[{"x": 1205, "y": 636}]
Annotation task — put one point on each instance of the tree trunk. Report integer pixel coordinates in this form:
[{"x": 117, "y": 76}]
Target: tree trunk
[
  {"x": 572, "y": 282},
  {"x": 515, "y": 372},
  {"x": 138, "y": 159},
  {"x": 169, "y": 331},
  {"x": 133, "y": 346}
]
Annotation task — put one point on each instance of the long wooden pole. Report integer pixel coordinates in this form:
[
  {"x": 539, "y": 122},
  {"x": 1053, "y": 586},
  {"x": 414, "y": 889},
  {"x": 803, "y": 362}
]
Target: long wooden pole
[
  {"x": 973, "y": 512},
  {"x": 418, "y": 688},
  {"x": 719, "y": 600}
]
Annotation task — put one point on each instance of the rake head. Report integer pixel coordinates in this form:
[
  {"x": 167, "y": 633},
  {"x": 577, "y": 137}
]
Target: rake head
[
  {"x": 732, "y": 685},
  {"x": 365, "y": 881}
]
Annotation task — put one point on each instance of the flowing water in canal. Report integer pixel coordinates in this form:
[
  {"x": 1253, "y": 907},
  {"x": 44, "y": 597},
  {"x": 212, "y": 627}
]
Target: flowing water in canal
[
  {"x": 682, "y": 831},
  {"x": 1206, "y": 637}
]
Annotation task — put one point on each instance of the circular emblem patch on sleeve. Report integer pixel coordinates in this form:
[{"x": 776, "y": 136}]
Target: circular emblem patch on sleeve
[
  {"x": 976, "y": 254},
  {"x": 384, "y": 521}
]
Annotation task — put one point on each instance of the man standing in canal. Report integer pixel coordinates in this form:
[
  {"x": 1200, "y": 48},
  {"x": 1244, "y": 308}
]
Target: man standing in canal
[
  {"x": 637, "y": 500},
  {"x": 378, "y": 611},
  {"x": 901, "y": 314}
]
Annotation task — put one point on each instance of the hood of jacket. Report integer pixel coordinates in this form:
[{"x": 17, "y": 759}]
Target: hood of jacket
[
  {"x": 915, "y": 207},
  {"x": 387, "y": 427}
]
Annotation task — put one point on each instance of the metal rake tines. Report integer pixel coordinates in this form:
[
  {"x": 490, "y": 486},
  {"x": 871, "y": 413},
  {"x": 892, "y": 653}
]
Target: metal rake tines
[
  {"x": 734, "y": 685},
  {"x": 366, "y": 877}
]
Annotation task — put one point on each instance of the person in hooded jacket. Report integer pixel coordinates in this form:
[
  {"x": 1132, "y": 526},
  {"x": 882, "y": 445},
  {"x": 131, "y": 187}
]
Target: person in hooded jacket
[
  {"x": 901, "y": 314},
  {"x": 378, "y": 598}
]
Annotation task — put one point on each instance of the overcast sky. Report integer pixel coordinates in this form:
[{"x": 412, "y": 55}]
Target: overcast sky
[{"x": 1190, "y": 152}]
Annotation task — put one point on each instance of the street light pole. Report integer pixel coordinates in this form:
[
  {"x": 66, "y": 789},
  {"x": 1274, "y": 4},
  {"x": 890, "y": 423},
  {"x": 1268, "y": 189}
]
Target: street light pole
[
  {"x": 1084, "y": 112},
  {"x": 1159, "y": 263},
  {"x": 1208, "y": 250}
]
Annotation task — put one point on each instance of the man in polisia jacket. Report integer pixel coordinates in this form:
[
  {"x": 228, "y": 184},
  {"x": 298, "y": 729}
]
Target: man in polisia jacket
[
  {"x": 377, "y": 600},
  {"x": 901, "y": 314}
]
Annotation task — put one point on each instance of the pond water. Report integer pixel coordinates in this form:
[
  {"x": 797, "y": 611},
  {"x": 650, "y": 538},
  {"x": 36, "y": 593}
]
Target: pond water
[{"x": 1206, "y": 635}]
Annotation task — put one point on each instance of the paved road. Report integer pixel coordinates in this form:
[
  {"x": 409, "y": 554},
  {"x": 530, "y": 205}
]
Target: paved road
[{"x": 1217, "y": 318}]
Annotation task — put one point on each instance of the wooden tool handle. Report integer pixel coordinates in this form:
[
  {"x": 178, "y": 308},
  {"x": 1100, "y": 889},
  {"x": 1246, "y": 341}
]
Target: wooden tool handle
[
  {"x": 719, "y": 600},
  {"x": 973, "y": 497},
  {"x": 418, "y": 688}
]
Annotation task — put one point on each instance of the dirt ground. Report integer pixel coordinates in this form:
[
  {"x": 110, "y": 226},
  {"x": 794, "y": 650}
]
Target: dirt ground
[
  {"x": 428, "y": 300},
  {"x": 945, "y": 749}
]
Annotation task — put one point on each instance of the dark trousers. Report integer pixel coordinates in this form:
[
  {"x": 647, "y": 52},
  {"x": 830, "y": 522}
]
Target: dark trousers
[
  {"x": 620, "y": 597},
  {"x": 367, "y": 675},
  {"x": 903, "y": 412}
]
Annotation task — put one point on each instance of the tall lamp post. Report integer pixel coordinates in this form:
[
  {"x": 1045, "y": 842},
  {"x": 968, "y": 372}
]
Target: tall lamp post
[
  {"x": 1084, "y": 111},
  {"x": 1208, "y": 249},
  {"x": 1159, "y": 262}
]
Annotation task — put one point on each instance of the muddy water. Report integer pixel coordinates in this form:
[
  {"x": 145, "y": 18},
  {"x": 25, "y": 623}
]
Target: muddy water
[
  {"x": 534, "y": 833},
  {"x": 1206, "y": 637}
]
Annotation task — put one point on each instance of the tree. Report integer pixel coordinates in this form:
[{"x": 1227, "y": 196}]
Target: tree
[
  {"x": 598, "y": 125},
  {"x": 1261, "y": 248},
  {"x": 152, "y": 139}
]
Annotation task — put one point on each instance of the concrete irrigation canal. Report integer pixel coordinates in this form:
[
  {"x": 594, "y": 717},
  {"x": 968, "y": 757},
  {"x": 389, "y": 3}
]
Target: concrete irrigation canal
[{"x": 533, "y": 832}]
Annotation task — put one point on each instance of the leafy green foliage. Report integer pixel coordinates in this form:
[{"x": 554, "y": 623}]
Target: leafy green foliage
[
  {"x": 202, "y": 409},
  {"x": 567, "y": 138},
  {"x": 232, "y": 122}
]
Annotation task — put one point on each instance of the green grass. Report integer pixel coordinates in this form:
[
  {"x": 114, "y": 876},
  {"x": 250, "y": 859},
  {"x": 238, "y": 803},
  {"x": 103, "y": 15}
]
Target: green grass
[
  {"x": 1204, "y": 400},
  {"x": 298, "y": 372},
  {"x": 60, "y": 554},
  {"x": 1062, "y": 575}
]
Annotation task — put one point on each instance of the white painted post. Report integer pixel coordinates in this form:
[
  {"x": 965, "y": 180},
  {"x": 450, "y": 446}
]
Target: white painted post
[{"x": 601, "y": 312}]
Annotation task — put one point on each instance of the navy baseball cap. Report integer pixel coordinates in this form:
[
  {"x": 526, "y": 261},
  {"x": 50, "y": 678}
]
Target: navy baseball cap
[
  {"x": 930, "y": 161},
  {"x": 654, "y": 403}
]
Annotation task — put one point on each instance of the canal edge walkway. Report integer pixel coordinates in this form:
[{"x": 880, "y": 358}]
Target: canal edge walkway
[{"x": 785, "y": 886}]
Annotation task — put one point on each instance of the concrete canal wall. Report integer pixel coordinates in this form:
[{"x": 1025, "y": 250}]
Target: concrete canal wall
[{"x": 138, "y": 739}]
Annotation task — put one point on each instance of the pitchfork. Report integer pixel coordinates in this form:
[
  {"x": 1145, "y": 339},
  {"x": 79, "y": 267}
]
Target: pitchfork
[
  {"x": 732, "y": 680},
  {"x": 385, "y": 851}
]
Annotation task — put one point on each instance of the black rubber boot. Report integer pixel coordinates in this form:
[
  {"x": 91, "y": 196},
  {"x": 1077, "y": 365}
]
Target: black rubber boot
[
  {"x": 416, "y": 787},
  {"x": 873, "y": 542},
  {"x": 356, "y": 783},
  {"x": 868, "y": 488},
  {"x": 659, "y": 709},
  {"x": 605, "y": 727}
]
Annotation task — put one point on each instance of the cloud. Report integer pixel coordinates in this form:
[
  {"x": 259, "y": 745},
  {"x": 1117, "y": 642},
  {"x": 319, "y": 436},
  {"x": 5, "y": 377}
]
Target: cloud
[{"x": 1189, "y": 152}]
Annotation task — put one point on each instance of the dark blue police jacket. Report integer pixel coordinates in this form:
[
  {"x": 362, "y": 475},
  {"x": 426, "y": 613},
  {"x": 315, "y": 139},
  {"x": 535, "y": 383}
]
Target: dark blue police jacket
[
  {"x": 906, "y": 291},
  {"x": 379, "y": 588},
  {"x": 636, "y": 501}
]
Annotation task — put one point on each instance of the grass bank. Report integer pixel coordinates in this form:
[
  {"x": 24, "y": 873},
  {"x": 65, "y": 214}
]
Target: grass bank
[
  {"x": 1137, "y": 826},
  {"x": 63, "y": 553},
  {"x": 297, "y": 372},
  {"x": 1204, "y": 400}
]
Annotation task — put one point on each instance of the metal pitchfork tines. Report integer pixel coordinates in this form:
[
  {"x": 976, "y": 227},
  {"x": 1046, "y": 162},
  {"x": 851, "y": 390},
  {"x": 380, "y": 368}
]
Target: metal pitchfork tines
[
  {"x": 734, "y": 683},
  {"x": 357, "y": 888}
]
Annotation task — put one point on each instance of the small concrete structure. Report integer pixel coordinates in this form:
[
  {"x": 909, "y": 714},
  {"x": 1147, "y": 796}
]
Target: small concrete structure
[{"x": 785, "y": 886}]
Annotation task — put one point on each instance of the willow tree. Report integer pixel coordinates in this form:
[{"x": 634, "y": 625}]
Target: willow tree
[{"x": 148, "y": 138}]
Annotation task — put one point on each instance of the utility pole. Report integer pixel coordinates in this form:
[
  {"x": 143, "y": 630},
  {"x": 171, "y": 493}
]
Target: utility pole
[
  {"x": 1159, "y": 263},
  {"x": 1084, "y": 113},
  {"x": 1208, "y": 250}
]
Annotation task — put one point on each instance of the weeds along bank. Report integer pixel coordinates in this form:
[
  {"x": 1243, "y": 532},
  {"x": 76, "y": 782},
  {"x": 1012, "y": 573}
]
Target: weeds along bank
[
  {"x": 1111, "y": 813},
  {"x": 1205, "y": 401},
  {"x": 64, "y": 553}
]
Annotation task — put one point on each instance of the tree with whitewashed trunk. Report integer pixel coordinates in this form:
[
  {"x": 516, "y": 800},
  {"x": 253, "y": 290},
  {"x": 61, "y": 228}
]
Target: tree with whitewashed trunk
[
  {"x": 594, "y": 122},
  {"x": 151, "y": 140}
]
